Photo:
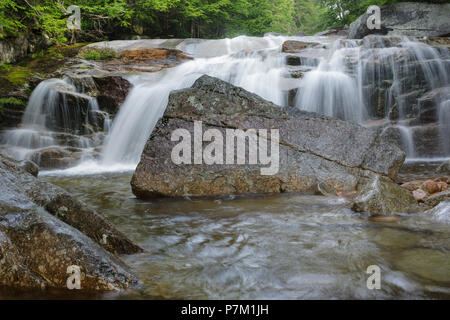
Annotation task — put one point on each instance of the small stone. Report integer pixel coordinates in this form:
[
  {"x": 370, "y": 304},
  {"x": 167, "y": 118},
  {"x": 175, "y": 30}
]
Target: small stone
[
  {"x": 412, "y": 185},
  {"x": 442, "y": 186},
  {"x": 430, "y": 187},
  {"x": 419, "y": 195}
]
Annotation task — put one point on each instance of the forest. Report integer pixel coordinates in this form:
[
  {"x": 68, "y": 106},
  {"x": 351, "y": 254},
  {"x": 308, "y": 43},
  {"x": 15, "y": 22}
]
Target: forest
[{"x": 117, "y": 19}]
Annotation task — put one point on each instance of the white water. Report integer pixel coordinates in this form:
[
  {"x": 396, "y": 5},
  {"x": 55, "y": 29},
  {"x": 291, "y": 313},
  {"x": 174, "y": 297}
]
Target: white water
[
  {"x": 257, "y": 71},
  {"x": 345, "y": 81},
  {"x": 46, "y": 117},
  {"x": 341, "y": 83}
]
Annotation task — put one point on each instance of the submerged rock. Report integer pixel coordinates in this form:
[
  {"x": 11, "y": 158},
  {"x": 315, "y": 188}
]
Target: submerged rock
[
  {"x": 440, "y": 213},
  {"x": 437, "y": 198},
  {"x": 408, "y": 19},
  {"x": 313, "y": 149},
  {"x": 444, "y": 168},
  {"x": 380, "y": 196},
  {"x": 44, "y": 230}
]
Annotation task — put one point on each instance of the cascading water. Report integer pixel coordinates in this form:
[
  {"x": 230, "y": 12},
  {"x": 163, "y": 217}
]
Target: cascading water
[
  {"x": 386, "y": 82},
  {"x": 382, "y": 78},
  {"x": 257, "y": 71},
  {"x": 49, "y": 121}
]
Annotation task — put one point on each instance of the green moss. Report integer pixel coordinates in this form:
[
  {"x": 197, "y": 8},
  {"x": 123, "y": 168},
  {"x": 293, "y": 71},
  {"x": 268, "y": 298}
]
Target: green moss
[
  {"x": 18, "y": 75},
  {"x": 97, "y": 54},
  {"x": 5, "y": 67},
  {"x": 11, "y": 102}
]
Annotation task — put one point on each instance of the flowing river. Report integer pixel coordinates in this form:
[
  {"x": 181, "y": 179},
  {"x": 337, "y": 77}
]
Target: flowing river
[{"x": 271, "y": 247}]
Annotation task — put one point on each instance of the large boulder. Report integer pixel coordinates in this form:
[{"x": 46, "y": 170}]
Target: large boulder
[
  {"x": 406, "y": 19},
  {"x": 44, "y": 230},
  {"x": 313, "y": 149}
]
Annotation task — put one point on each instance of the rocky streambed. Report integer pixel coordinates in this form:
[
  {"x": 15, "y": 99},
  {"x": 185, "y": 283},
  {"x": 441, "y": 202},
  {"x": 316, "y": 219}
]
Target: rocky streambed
[{"x": 290, "y": 246}]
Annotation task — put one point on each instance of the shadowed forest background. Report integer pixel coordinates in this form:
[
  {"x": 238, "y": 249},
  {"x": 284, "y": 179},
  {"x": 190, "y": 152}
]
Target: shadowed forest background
[{"x": 114, "y": 19}]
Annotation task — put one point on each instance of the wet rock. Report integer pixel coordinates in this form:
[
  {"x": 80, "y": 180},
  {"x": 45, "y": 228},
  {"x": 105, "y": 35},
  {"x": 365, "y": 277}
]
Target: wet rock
[
  {"x": 292, "y": 46},
  {"x": 408, "y": 19},
  {"x": 293, "y": 61},
  {"x": 113, "y": 91},
  {"x": 300, "y": 34},
  {"x": 430, "y": 187},
  {"x": 412, "y": 185},
  {"x": 159, "y": 58},
  {"x": 426, "y": 263},
  {"x": 380, "y": 196},
  {"x": 326, "y": 150},
  {"x": 419, "y": 195},
  {"x": 298, "y": 72},
  {"x": 440, "y": 213},
  {"x": 30, "y": 167},
  {"x": 428, "y": 110},
  {"x": 70, "y": 112},
  {"x": 77, "y": 214},
  {"x": 43, "y": 231},
  {"x": 54, "y": 158},
  {"x": 444, "y": 168},
  {"x": 12, "y": 110},
  {"x": 437, "y": 198}
]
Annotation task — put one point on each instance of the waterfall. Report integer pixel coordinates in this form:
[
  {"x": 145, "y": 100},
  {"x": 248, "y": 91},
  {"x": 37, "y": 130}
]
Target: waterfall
[
  {"x": 49, "y": 120},
  {"x": 380, "y": 77},
  {"x": 444, "y": 119},
  {"x": 386, "y": 82},
  {"x": 258, "y": 71}
]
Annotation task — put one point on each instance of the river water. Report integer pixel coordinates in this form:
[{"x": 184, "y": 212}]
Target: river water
[
  {"x": 266, "y": 247},
  {"x": 270, "y": 247}
]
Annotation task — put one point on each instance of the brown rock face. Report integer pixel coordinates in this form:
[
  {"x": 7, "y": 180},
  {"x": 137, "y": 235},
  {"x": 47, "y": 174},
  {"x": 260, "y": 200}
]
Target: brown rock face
[
  {"x": 430, "y": 187},
  {"x": 291, "y": 46},
  {"x": 152, "y": 59},
  {"x": 44, "y": 230},
  {"x": 113, "y": 91},
  {"x": 313, "y": 149}
]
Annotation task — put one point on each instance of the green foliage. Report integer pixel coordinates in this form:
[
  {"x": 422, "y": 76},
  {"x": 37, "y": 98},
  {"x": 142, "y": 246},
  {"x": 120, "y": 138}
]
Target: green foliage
[
  {"x": 8, "y": 18},
  {"x": 344, "y": 12},
  {"x": 112, "y": 19},
  {"x": 5, "y": 67},
  {"x": 17, "y": 75},
  {"x": 97, "y": 54},
  {"x": 11, "y": 101}
]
